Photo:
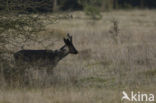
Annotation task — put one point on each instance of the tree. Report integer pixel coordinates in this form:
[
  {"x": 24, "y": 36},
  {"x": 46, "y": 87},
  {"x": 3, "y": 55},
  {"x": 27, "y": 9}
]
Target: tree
[{"x": 55, "y": 5}]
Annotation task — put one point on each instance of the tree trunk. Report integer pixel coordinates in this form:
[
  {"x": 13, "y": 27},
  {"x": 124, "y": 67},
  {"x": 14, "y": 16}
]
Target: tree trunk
[
  {"x": 142, "y": 3},
  {"x": 7, "y": 5},
  {"x": 115, "y": 4},
  {"x": 55, "y": 6}
]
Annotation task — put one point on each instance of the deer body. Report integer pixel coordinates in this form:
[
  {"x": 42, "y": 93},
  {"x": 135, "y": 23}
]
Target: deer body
[
  {"x": 25, "y": 59},
  {"x": 45, "y": 57},
  {"x": 40, "y": 57}
]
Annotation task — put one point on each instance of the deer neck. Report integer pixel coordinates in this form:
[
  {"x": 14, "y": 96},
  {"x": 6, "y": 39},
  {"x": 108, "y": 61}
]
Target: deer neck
[{"x": 63, "y": 52}]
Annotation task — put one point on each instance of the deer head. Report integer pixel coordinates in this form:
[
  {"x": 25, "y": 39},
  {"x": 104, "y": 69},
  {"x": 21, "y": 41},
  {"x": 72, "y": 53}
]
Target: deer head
[{"x": 68, "y": 42}]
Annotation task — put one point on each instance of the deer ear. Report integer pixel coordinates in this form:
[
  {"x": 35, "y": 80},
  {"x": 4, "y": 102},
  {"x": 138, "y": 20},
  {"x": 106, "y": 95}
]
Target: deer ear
[
  {"x": 69, "y": 37},
  {"x": 65, "y": 40}
]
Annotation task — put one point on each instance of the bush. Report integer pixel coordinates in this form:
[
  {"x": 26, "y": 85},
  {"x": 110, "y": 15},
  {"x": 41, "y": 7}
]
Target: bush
[
  {"x": 93, "y": 12},
  {"x": 15, "y": 30}
]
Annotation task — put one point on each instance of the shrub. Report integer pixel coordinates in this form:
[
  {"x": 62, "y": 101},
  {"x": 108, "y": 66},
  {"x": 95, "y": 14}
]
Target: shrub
[
  {"x": 15, "y": 30},
  {"x": 93, "y": 12}
]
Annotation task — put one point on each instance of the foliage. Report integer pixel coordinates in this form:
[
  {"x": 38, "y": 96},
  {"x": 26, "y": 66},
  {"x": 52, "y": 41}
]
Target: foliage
[
  {"x": 90, "y": 2},
  {"x": 91, "y": 8},
  {"x": 19, "y": 27},
  {"x": 69, "y": 5},
  {"x": 23, "y": 6},
  {"x": 93, "y": 12},
  {"x": 15, "y": 30}
]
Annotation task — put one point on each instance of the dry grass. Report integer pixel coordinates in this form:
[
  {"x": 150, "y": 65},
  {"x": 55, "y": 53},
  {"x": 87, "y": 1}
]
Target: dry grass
[{"x": 103, "y": 68}]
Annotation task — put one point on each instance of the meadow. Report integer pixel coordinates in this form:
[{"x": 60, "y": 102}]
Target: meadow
[{"x": 116, "y": 53}]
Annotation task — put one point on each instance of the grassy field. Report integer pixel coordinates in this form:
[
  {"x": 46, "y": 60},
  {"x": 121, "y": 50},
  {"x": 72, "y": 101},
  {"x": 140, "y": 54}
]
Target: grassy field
[{"x": 116, "y": 53}]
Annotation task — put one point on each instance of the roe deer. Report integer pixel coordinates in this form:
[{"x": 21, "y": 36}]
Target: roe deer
[{"x": 46, "y": 57}]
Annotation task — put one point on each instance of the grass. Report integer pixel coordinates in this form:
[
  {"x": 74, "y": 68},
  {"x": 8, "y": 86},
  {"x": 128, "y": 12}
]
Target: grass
[
  {"x": 103, "y": 68},
  {"x": 58, "y": 95}
]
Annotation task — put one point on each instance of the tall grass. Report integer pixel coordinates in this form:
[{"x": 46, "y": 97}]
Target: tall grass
[{"x": 113, "y": 56}]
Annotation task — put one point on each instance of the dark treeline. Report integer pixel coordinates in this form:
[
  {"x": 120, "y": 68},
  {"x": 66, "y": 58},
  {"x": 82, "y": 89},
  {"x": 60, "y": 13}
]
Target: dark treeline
[{"x": 63, "y": 5}]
